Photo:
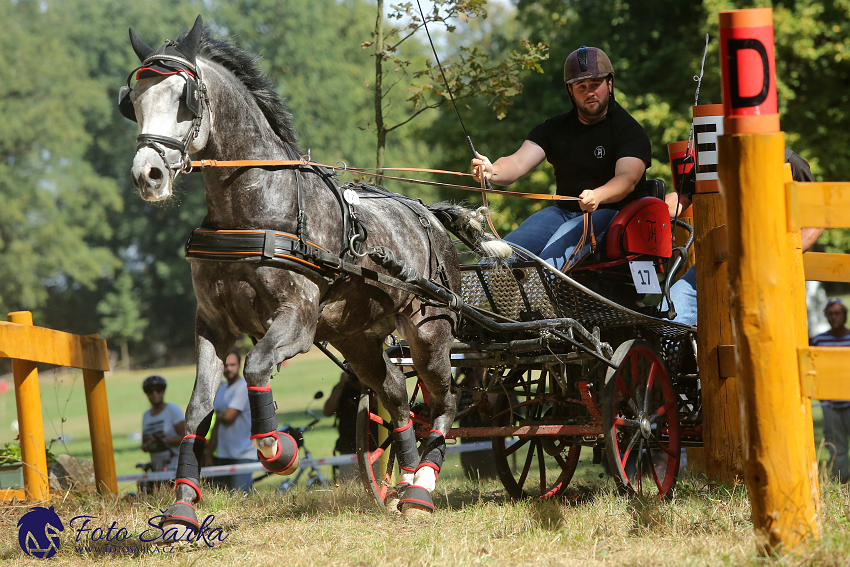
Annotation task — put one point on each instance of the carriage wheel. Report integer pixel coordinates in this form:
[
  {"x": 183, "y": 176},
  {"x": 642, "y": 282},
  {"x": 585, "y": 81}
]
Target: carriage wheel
[
  {"x": 376, "y": 474},
  {"x": 532, "y": 466},
  {"x": 641, "y": 422}
]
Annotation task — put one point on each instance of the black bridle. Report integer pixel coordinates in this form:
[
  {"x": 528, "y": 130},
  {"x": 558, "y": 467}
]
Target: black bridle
[{"x": 194, "y": 96}]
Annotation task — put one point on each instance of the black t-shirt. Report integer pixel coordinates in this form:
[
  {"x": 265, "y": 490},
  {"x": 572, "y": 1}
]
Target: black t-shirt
[
  {"x": 800, "y": 171},
  {"x": 585, "y": 156}
]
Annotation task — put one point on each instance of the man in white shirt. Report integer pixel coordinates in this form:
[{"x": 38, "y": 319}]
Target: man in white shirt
[{"x": 232, "y": 430}]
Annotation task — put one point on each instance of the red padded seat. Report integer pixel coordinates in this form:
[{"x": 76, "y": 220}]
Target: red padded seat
[{"x": 641, "y": 227}]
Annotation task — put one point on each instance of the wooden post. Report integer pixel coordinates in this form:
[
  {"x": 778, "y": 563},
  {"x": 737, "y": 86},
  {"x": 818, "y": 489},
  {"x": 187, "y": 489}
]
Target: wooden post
[
  {"x": 723, "y": 441},
  {"x": 30, "y": 422},
  {"x": 777, "y": 449},
  {"x": 801, "y": 326},
  {"x": 100, "y": 431}
]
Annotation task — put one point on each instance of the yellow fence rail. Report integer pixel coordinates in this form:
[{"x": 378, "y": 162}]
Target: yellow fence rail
[{"x": 26, "y": 346}]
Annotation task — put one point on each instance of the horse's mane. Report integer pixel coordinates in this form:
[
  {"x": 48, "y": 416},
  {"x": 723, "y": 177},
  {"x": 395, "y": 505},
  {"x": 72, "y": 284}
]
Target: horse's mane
[{"x": 245, "y": 66}]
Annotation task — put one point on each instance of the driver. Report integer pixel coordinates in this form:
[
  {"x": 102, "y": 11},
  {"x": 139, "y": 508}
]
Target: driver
[{"x": 599, "y": 152}]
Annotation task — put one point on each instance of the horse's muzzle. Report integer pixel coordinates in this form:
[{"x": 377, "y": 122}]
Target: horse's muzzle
[{"x": 151, "y": 175}]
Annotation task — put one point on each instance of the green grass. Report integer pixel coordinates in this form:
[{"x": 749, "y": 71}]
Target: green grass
[{"x": 475, "y": 524}]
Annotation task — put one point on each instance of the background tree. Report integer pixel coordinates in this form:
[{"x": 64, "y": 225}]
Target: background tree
[
  {"x": 470, "y": 73},
  {"x": 54, "y": 204},
  {"x": 121, "y": 316}
]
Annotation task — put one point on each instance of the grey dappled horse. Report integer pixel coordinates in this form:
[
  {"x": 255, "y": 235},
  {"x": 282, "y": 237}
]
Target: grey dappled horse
[{"x": 205, "y": 97}]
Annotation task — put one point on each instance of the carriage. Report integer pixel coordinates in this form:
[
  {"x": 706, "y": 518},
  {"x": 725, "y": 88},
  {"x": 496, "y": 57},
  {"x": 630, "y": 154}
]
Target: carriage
[
  {"x": 291, "y": 258},
  {"x": 566, "y": 361}
]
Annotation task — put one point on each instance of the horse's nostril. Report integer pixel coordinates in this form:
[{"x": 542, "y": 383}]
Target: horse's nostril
[{"x": 155, "y": 174}]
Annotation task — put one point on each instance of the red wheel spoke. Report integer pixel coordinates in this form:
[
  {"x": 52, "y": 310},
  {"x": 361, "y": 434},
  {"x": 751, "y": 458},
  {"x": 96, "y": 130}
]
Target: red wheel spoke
[
  {"x": 649, "y": 380},
  {"x": 527, "y": 466},
  {"x": 671, "y": 452},
  {"x": 379, "y": 420},
  {"x": 639, "y": 467},
  {"x": 560, "y": 460},
  {"x": 516, "y": 446},
  {"x": 375, "y": 455},
  {"x": 621, "y": 386},
  {"x": 542, "y": 464},
  {"x": 626, "y": 422},
  {"x": 658, "y": 413},
  {"x": 630, "y": 447}
]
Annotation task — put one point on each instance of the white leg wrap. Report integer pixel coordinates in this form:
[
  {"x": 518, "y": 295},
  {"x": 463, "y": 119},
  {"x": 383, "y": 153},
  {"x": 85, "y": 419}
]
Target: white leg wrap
[
  {"x": 407, "y": 477},
  {"x": 426, "y": 477}
]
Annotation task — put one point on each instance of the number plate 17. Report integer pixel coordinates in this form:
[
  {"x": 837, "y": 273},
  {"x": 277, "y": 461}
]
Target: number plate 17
[{"x": 644, "y": 276}]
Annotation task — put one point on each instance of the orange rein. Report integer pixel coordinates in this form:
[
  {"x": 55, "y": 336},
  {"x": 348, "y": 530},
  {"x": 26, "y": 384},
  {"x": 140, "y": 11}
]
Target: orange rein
[{"x": 588, "y": 225}]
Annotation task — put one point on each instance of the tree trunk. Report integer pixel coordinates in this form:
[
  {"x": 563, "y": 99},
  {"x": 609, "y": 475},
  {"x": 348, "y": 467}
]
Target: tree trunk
[
  {"x": 125, "y": 354},
  {"x": 379, "y": 88}
]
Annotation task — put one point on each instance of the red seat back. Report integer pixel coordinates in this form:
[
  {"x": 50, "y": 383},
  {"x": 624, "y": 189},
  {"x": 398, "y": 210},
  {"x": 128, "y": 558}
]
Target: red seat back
[{"x": 642, "y": 227}]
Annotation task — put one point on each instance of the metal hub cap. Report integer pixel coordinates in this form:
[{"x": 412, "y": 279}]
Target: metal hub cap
[{"x": 645, "y": 426}]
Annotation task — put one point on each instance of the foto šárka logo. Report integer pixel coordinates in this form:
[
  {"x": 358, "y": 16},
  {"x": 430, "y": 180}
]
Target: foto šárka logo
[{"x": 38, "y": 534}]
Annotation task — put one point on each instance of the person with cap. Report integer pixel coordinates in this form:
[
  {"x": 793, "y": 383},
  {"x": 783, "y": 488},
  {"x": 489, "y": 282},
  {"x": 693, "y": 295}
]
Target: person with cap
[
  {"x": 836, "y": 413},
  {"x": 599, "y": 154},
  {"x": 683, "y": 293},
  {"x": 163, "y": 426},
  {"x": 231, "y": 434}
]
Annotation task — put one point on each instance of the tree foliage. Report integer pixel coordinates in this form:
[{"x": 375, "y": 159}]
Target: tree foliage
[
  {"x": 71, "y": 219},
  {"x": 471, "y": 73}
]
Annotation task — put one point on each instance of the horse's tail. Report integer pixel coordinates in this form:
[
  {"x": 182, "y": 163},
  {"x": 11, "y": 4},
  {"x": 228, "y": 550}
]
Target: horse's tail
[{"x": 468, "y": 225}]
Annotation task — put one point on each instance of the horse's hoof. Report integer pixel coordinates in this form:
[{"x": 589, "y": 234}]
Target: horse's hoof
[
  {"x": 416, "y": 502},
  {"x": 180, "y": 523},
  {"x": 391, "y": 504},
  {"x": 286, "y": 459},
  {"x": 415, "y": 511}
]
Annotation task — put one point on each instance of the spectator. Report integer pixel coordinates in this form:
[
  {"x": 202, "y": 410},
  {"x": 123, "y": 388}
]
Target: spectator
[
  {"x": 232, "y": 430},
  {"x": 836, "y": 413},
  {"x": 163, "y": 426},
  {"x": 343, "y": 402}
]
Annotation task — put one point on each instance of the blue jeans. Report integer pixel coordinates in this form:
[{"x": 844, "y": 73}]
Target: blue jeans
[
  {"x": 836, "y": 433},
  {"x": 553, "y": 233},
  {"x": 683, "y": 294}
]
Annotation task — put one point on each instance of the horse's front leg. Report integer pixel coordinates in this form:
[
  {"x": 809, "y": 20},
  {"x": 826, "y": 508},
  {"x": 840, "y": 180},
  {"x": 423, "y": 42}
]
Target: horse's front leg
[
  {"x": 290, "y": 333},
  {"x": 212, "y": 347},
  {"x": 430, "y": 339}
]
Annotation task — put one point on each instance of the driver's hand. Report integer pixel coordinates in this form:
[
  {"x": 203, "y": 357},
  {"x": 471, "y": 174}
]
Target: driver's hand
[
  {"x": 588, "y": 201},
  {"x": 481, "y": 164}
]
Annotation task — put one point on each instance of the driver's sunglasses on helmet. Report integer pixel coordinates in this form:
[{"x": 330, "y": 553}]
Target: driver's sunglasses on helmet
[{"x": 151, "y": 389}]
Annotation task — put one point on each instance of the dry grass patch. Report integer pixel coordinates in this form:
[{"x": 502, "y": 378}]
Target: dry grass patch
[{"x": 476, "y": 524}]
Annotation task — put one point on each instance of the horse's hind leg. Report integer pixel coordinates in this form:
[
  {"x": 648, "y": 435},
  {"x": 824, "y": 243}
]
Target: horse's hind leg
[
  {"x": 371, "y": 365},
  {"x": 212, "y": 347},
  {"x": 286, "y": 337},
  {"x": 430, "y": 339}
]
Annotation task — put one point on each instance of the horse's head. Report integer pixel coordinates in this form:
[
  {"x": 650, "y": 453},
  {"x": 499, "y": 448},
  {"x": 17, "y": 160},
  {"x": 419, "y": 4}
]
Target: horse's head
[{"x": 170, "y": 104}]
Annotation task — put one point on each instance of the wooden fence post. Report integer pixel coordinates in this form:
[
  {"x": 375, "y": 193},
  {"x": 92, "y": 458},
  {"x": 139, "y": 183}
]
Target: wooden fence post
[
  {"x": 30, "y": 421},
  {"x": 761, "y": 273},
  {"x": 721, "y": 425},
  {"x": 100, "y": 431}
]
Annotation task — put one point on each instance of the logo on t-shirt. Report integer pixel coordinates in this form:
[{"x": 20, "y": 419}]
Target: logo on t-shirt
[{"x": 599, "y": 152}]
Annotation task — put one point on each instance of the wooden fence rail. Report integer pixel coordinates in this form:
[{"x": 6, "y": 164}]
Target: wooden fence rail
[{"x": 27, "y": 345}]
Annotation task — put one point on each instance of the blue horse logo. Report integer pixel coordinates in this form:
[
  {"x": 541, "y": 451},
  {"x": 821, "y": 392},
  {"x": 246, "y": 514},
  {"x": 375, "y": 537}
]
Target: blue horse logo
[{"x": 38, "y": 532}]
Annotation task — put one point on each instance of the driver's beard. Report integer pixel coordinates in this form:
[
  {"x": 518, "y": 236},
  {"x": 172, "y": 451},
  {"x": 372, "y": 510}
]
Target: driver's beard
[{"x": 599, "y": 111}]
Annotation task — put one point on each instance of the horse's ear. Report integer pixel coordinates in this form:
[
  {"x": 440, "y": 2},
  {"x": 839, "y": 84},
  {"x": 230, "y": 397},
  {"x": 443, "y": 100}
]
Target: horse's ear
[
  {"x": 142, "y": 49},
  {"x": 189, "y": 45}
]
